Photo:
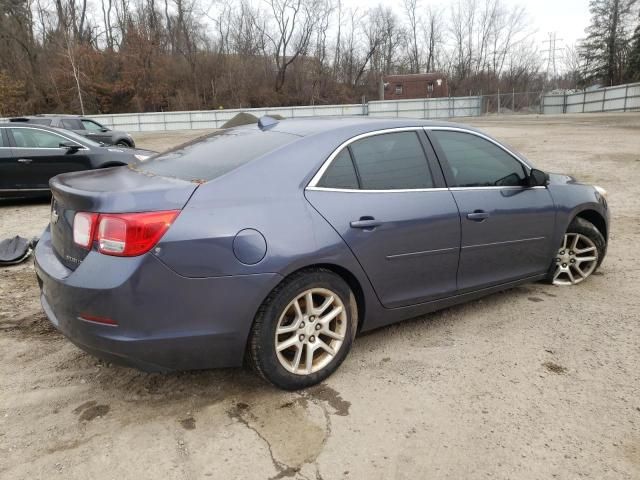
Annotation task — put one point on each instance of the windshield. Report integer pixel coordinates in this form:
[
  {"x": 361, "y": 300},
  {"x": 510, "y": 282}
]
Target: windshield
[{"x": 211, "y": 156}]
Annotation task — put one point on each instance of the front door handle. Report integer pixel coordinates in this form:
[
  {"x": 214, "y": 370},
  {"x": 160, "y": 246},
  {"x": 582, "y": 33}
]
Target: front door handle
[
  {"x": 366, "y": 223},
  {"x": 478, "y": 216},
  {"x": 25, "y": 160}
]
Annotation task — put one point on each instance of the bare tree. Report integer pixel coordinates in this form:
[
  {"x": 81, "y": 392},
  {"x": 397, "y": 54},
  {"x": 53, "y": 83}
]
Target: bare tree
[
  {"x": 415, "y": 54},
  {"x": 295, "y": 22}
]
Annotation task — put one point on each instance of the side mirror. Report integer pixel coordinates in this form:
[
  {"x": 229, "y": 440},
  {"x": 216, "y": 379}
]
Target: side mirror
[
  {"x": 538, "y": 178},
  {"x": 104, "y": 129},
  {"x": 70, "y": 147}
]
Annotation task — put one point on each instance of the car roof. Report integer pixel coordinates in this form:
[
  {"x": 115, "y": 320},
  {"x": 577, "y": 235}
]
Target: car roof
[
  {"x": 29, "y": 125},
  {"x": 353, "y": 125}
]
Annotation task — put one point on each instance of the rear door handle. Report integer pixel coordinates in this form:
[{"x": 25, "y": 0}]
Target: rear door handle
[
  {"x": 478, "y": 216},
  {"x": 366, "y": 223},
  {"x": 25, "y": 160}
]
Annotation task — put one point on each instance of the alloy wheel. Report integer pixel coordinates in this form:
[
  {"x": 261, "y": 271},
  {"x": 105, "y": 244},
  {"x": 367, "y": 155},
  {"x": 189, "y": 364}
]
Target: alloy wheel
[
  {"x": 310, "y": 331},
  {"x": 576, "y": 259}
]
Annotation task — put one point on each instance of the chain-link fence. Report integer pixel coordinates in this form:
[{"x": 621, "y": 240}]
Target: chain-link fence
[{"x": 512, "y": 103}]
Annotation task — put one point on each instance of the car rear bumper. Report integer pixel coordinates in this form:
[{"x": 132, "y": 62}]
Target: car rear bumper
[{"x": 164, "y": 321}]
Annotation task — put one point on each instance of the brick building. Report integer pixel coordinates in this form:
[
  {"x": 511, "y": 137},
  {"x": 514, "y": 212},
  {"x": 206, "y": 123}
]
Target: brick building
[{"x": 417, "y": 85}]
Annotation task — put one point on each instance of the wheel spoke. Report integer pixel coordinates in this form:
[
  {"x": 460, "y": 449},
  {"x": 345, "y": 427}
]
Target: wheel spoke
[
  {"x": 296, "y": 360},
  {"x": 321, "y": 309},
  {"x": 309, "y": 303},
  {"x": 557, "y": 273},
  {"x": 289, "y": 328},
  {"x": 309, "y": 359},
  {"x": 575, "y": 242},
  {"x": 584, "y": 250},
  {"x": 326, "y": 348},
  {"x": 564, "y": 242},
  {"x": 296, "y": 307},
  {"x": 290, "y": 342},
  {"x": 331, "y": 315},
  {"x": 332, "y": 334},
  {"x": 580, "y": 272},
  {"x": 586, "y": 259},
  {"x": 570, "y": 275}
]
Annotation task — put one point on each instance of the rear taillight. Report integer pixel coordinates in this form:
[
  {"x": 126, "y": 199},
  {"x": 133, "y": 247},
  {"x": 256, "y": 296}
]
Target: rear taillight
[
  {"x": 126, "y": 234},
  {"x": 83, "y": 228}
]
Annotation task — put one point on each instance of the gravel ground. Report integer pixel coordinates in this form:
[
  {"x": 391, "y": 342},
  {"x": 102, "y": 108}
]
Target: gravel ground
[{"x": 536, "y": 382}]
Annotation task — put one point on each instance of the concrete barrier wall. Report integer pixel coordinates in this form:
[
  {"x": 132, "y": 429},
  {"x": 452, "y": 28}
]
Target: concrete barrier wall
[
  {"x": 420, "y": 108},
  {"x": 621, "y": 98}
]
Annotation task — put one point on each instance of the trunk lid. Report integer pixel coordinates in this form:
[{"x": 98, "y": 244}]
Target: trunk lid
[{"x": 111, "y": 190}]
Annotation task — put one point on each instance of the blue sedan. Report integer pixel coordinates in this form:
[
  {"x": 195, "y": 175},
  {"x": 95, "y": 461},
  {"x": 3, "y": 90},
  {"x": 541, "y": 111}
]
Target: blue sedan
[{"x": 278, "y": 242}]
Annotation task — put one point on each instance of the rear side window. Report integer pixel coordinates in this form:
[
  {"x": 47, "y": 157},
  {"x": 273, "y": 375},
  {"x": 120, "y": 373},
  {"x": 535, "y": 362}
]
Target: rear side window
[
  {"x": 2, "y": 141},
  {"x": 476, "y": 162},
  {"x": 341, "y": 173},
  {"x": 72, "y": 124},
  {"x": 391, "y": 161},
  {"x": 209, "y": 157}
]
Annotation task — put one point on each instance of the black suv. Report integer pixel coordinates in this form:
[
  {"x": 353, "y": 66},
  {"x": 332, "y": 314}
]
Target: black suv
[{"x": 82, "y": 126}]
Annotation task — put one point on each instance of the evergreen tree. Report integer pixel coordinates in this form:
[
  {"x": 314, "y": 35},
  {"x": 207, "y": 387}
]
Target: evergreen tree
[
  {"x": 606, "y": 48},
  {"x": 634, "y": 55}
]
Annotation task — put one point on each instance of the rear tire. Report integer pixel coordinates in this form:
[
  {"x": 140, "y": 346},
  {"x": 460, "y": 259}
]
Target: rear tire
[
  {"x": 122, "y": 143},
  {"x": 304, "y": 330},
  {"x": 581, "y": 253}
]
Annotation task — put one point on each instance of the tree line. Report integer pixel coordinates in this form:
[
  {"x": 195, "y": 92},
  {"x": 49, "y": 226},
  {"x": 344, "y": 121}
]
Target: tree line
[{"x": 111, "y": 56}]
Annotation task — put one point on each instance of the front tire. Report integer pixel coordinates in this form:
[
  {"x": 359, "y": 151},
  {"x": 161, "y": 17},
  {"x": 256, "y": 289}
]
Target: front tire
[
  {"x": 304, "y": 330},
  {"x": 122, "y": 143},
  {"x": 581, "y": 253}
]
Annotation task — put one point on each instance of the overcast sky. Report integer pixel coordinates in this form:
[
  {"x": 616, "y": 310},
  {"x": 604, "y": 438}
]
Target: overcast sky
[{"x": 568, "y": 18}]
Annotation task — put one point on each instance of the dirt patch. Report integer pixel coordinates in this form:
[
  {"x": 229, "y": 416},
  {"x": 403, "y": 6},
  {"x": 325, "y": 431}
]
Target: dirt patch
[
  {"x": 93, "y": 412},
  {"x": 327, "y": 394},
  {"x": 554, "y": 367}
]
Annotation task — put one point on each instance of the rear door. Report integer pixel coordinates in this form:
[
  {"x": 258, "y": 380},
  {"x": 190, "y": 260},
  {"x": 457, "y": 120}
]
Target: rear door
[
  {"x": 8, "y": 164},
  {"x": 388, "y": 202},
  {"x": 39, "y": 156},
  {"x": 507, "y": 227}
]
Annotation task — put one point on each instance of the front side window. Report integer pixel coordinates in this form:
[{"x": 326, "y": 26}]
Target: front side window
[
  {"x": 476, "y": 162},
  {"x": 32, "y": 138},
  {"x": 91, "y": 125},
  {"x": 2, "y": 142}
]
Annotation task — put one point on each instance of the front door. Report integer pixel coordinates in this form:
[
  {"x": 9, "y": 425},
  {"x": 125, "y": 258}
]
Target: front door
[
  {"x": 95, "y": 131},
  {"x": 39, "y": 156},
  {"x": 507, "y": 227},
  {"x": 380, "y": 195}
]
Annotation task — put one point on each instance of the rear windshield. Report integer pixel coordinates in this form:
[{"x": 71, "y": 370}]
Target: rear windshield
[{"x": 211, "y": 156}]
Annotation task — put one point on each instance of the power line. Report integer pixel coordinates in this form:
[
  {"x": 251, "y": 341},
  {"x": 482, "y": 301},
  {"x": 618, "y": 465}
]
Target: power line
[{"x": 552, "y": 69}]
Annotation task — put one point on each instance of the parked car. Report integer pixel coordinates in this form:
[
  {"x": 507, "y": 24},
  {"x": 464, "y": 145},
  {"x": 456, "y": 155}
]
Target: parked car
[
  {"x": 82, "y": 126},
  {"x": 282, "y": 240},
  {"x": 31, "y": 154}
]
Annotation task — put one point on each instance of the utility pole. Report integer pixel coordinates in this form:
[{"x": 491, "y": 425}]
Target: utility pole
[{"x": 552, "y": 70}]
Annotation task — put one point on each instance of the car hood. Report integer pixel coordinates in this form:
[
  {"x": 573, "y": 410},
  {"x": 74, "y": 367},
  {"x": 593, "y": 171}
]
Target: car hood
[
  {"x": 561, "y": 179},
  {"x": 127, "y": 151}
]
